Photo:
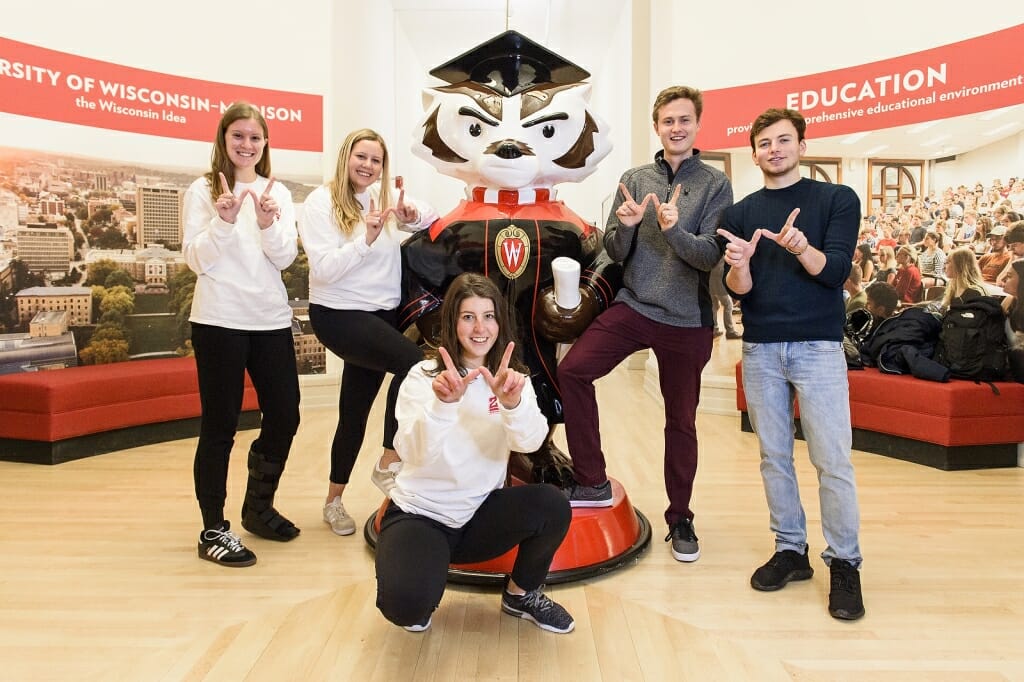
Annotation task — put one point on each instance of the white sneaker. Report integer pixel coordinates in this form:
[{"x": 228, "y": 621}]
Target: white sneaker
[
  {"x": 337, "y": 518},
  {"x": 385, "y": 480}
]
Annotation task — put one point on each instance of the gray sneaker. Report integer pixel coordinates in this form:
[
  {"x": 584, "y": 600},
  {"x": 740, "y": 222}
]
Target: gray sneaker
[
  {"x": 337, "y": 518},
  {"x": 589, "y": 496},
  {"x": 684, "y": 541},
  {"x": 385, "y": 480}
]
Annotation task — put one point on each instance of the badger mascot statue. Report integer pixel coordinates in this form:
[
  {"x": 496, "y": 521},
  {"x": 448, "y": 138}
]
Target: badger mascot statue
[{"x": 512, "y": 122}]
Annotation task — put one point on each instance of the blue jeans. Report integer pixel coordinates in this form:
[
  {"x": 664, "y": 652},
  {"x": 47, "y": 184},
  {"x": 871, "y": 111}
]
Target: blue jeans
[{"x": 815, "y": 373}]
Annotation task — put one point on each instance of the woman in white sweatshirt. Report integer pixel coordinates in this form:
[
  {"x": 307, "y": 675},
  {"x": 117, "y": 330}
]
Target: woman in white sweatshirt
[
  {"x": 349, "y": 233},
  {"x": 460, "y": 415},
  {"x": 239, "y": 235}
]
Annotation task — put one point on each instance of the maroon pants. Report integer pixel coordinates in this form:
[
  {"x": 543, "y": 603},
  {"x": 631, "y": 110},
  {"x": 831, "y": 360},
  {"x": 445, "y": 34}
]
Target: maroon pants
[{"x": 681, "y": 352}]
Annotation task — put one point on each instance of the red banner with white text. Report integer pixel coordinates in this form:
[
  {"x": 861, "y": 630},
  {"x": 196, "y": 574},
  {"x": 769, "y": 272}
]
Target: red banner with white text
[
  {"x": 970, "y": 76},
  {"x": 57, "y": 86}
]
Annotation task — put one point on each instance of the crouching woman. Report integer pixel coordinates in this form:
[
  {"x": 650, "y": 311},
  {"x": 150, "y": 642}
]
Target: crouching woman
[{"x": 460, "y": 415}]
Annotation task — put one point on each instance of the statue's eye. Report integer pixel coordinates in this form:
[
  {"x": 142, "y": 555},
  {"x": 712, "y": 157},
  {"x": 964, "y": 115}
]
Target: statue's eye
[
  {"x": 549, "y": 131},
  {"x": 474, "y": 129}
]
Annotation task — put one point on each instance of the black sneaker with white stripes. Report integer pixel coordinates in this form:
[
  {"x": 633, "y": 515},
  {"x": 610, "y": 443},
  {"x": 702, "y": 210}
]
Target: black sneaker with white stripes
[
  {"x": 535, "y": 606},
  {"x": 221, "y": 546}
]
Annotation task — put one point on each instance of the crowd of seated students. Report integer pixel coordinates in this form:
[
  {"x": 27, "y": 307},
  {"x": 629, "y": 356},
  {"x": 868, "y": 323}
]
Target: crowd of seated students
[
  {"x": 924, "y": 232},
  {"x": 969, "y": 243}
]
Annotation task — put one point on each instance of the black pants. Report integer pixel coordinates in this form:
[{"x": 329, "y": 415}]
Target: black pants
[
  {"x": 222, "y": 357},
  {"x": 371, "y": 346},
  {"x": 413, "y": 551}
]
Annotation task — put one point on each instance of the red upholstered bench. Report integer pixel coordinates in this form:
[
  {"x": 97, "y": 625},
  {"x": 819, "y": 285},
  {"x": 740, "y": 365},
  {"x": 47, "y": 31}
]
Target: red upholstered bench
[
  {"x": 59, "y": 415},
  {"x": 955, "y": 425}
]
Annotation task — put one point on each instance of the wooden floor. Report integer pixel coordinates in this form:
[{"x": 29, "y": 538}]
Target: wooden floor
[{"x": 99, "y": 578}]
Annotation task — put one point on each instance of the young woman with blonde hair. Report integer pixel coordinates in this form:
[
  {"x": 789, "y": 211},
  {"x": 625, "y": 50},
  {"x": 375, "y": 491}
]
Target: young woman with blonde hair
[
  {"x": 350, "y": 232},
  {"x": 908, "y": 278},
  {"x": 963, "y": 277},
  {"x": 886, "y": 265}
]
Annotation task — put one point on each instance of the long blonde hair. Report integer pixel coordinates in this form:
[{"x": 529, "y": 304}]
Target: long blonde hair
[
  {"x": 347, "y": 211},
  {"x": 966, "y": 275},
  {"x": 886, "y": 257}
]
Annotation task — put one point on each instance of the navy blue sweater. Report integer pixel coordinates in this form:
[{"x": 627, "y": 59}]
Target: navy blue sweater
[{"x": 786, "y": 303}]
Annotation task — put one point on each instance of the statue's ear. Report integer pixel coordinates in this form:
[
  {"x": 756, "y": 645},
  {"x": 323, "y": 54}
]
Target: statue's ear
[{"x": 428, "y": 95}]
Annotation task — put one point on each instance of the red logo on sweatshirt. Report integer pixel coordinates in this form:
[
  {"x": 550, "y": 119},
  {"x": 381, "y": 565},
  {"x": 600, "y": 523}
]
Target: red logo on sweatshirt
[{"x": 492, "y": 404}]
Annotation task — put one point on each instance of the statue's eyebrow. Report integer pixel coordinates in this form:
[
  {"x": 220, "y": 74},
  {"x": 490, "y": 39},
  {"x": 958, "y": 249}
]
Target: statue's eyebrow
[
  {"x": 560, "y": 116},
  {"x": 466, "y": 111}
]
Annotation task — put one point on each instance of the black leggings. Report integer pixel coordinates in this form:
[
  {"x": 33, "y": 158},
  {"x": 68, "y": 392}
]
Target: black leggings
[
  {"x": 371, "y": 346},
  {"x": 413, "y": 551},
  {"x": 222, "y": 358}
]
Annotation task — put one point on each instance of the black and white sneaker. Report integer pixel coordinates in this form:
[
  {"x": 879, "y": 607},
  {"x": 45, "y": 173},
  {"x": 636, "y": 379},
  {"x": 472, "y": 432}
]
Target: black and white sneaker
[
  {"x": 221, "y": 546},
  {"x": 684, "y": 541},
  {"x": 419, "y": 627},
  {"x": 589, "y": 495},
  {"x": 535, "y": 606}
]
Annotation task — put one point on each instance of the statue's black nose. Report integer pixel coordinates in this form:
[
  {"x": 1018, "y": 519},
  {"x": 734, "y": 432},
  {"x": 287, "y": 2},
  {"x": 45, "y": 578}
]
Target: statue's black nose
[{"x": 509, "y": 150}]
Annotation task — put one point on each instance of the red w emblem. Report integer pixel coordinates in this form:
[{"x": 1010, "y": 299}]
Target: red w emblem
[{"x": 512, "y": 251}]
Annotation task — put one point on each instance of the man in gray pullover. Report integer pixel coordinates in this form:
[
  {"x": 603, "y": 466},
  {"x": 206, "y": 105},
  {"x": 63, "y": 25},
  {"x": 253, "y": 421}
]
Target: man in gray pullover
[{"x": 662, "y": 228}]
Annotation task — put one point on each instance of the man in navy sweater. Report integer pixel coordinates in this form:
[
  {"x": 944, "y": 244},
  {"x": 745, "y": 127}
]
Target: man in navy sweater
[{"x": 790, "y": 283}]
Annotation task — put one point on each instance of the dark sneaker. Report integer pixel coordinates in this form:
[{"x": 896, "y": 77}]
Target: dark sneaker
[
  {"x": 684, "y": 541},
  {"x": 589, "y": 496},
  {"x": 420, "y": 627},
  {"x": 781, "y": 568},
  {"x": 535, "y": 606},
  {"x": 844, "y": 599},
  {"x": 221, "y": 546}
]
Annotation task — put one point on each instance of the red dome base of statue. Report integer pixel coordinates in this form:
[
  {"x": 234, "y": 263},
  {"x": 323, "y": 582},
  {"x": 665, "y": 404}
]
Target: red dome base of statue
[{"x": 599, "y": 540}]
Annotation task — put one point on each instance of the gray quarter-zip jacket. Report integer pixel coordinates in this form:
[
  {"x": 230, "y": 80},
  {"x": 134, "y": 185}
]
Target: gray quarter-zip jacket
[{"x": 666, "y": 273}]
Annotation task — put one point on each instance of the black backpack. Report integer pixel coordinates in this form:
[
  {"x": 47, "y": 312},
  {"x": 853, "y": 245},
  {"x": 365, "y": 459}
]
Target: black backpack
[
  {"x": 973, "y": 341},
  {"x": 858, "y": 327}
]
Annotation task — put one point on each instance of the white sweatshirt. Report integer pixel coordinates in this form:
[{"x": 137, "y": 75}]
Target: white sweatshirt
[
  {"x": 345, "y": 273},
  {"x": 455, "y": 454},
  {"x": 238, "y": 267}
]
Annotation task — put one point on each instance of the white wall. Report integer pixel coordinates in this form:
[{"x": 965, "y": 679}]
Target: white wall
[{"x": 1002, "y": 159}]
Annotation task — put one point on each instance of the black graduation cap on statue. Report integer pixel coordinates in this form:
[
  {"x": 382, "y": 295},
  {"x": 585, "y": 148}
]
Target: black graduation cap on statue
[{"x": 510, "y": 64}]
